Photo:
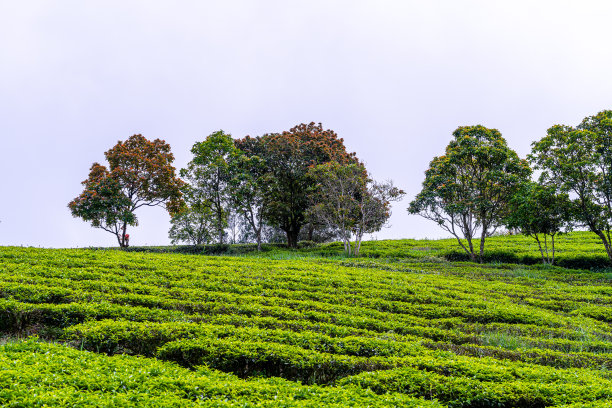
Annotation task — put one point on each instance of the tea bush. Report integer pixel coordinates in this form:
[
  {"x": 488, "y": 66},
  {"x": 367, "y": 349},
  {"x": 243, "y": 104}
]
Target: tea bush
[{"x": 120, "y": 328}]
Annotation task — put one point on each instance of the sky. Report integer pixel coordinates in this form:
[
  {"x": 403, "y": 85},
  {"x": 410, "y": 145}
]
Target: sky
[{"x": 393, "y": 78}]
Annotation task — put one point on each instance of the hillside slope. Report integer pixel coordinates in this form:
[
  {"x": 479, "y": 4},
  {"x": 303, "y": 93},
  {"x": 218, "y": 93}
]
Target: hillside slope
[{"x": 312, "y": 332}]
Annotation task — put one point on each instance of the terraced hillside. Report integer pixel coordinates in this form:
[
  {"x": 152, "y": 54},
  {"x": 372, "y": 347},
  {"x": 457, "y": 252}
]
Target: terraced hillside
[{"x": 143, "y": 329}]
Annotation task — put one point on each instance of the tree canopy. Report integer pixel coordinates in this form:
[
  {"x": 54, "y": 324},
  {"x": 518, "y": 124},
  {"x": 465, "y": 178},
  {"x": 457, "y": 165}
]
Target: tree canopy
[
  {"x": 468, "y": 188},
  {"x": 288, "y": 156},
  {"x": 140, "y": 173},
  {"x": 541, "y": 212},
  {"x": 347, "y": 199},
  {"x": 579, "y": 161},
  {"x": 209, "y": 175}
]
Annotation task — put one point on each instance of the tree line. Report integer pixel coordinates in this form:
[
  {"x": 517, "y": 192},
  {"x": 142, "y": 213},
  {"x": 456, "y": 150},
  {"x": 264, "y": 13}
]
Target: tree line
[
  {"x": 302, "y": 184},
  {"x": 480, "y": 185},
  {"x": 298, "y": 184}
]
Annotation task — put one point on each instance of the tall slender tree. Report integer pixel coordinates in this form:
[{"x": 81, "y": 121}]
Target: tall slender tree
[
  {"x": 541, "y": 212},
  {"x": 209, "y": 175},
  {"x": 248, "y": 184}
]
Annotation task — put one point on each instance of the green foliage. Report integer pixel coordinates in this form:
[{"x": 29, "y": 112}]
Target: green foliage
[
  {"x": 103, "y": 203},
  {"x": 248, "y": 184},
  {"x": 208, "y": 174},
  {"x": 579, "y": 160},
  {"x": 540, "y": 212},
  {"x": 394, "y": 331},
  {"x": 288, "y": 156},
  {"x": 36, "y": 374},
  {"x": 194, "y": 224},
  {"x": 469, "y": 187}
]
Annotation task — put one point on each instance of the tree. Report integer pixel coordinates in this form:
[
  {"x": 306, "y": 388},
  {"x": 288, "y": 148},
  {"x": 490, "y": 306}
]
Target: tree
[
  {"x": 248, "y": 184},
  {"x": 318, "y": 232},
  {"x": 347, "y": 199},
  {"x": 539, "y": 211},
  {"x": 375, "y": 208},
  {"x": 336, "y": 196},
  {"x": 468, "y": 188},
  {"x": 140, "y": 173},
  {"x": 289, "y": 156},
  {"x": 209, "y": 173},
  {"x": 193, "y": 224},
  {"x": 579, "y": 161}
]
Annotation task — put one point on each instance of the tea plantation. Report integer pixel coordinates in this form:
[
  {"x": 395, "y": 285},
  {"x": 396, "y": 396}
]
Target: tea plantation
[{"x": 405, "y": 327}]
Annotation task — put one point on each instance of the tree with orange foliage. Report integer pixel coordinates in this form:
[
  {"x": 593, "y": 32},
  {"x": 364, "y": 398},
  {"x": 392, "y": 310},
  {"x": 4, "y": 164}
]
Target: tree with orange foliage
[
  {"x": 289, "y": 155},
  {"x": 140, "y": 173}
]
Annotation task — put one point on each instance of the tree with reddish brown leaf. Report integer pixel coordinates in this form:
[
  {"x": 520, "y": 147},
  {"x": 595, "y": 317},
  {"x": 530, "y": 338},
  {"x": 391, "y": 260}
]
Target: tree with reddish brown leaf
[
  {"x": 289, "y": 155},
  {"x": 140, "y": 173}
]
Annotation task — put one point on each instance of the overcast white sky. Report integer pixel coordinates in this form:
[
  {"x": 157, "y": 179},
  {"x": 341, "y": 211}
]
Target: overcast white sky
[{"x": 393, "y": 78}]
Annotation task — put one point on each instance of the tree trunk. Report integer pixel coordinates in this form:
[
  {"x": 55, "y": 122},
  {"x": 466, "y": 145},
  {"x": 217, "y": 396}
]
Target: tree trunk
[
  {"x": 540, "y": 247},
  {"x": 471, "y": 245},
  {"x": 121, "y": 237},
  {"x": 357, "y": 245},
  {"x": 292, "y": 237},
  {"x": 552, "y": 237},
  {"x": 470, "y": 251},
  {"x": 483, "y": 236},
  {"x": 310, "y": 231},
  {"x": 248, "y": 214},
  {"x": 606, "y": 243},
  {"x": 473, "y": 256},
  {"x": 220, "y": 228}
]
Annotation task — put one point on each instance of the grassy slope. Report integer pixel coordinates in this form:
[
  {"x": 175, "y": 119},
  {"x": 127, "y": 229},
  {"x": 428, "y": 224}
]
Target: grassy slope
[
  {"x": 405, "y": 329},
  {"x": 579, "y": 250}
]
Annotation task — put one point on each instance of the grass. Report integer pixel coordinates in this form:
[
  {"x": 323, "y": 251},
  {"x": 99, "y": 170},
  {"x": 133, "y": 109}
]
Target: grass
[
  {"x": 577, "y": 250},
  {"x": 503, "y": 340}
]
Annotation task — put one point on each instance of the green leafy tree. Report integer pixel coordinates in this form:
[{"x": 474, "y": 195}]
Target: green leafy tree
[
  {"x": 579, "y": 161},
  {"x": 209, "y": 174},
  {"x": 539, "y": 211},
  {"x": 194, "y": 223},
  {"x": 140, "y": 173},
  {"x": 191, "y": 225},
  {"x": 468, "y": 188},
  {"x": 347, "y": 199},
  {"x": 289, "y": 155},
  {"x": 248, "y": 184}
]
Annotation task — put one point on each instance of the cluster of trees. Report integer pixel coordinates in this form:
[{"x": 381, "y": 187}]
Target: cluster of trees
[
  {"x": 301, "y": 183},
  {"x": 480, "y": 185}
]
